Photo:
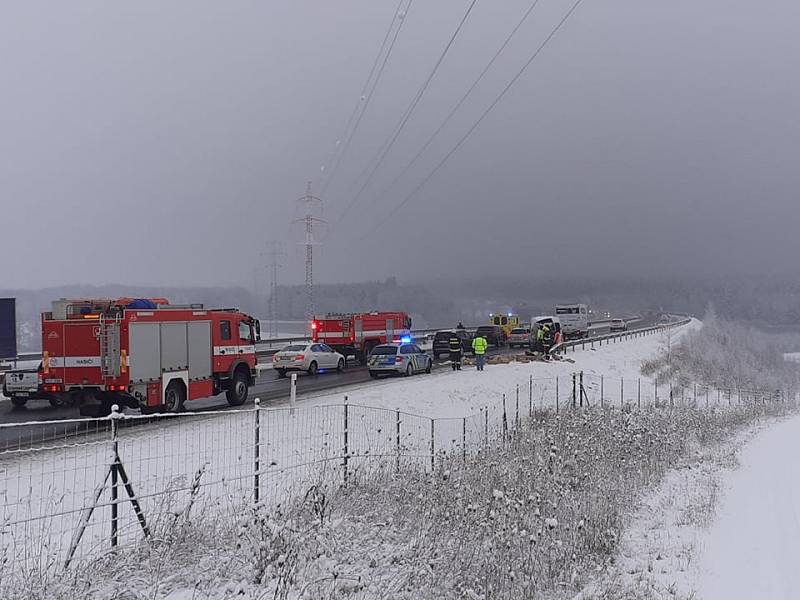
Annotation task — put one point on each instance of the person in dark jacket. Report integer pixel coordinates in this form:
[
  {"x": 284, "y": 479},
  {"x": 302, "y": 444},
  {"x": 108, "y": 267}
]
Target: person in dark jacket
[
  {"x": 460, "y": 325},
  {"x": 454, "y": 345}
]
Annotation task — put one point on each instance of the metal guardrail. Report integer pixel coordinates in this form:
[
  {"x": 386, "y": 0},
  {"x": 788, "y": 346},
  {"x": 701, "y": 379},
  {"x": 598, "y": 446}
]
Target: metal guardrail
[{"x": 564, "y": 347}]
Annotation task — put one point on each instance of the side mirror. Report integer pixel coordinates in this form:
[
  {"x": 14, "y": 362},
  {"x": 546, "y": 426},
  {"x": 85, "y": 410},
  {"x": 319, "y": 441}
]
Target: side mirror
[{"x": 258, "y": 330}]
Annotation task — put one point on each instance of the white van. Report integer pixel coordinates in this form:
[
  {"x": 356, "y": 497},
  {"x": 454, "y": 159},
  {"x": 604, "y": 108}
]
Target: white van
[{"x": 574, "y": 320}]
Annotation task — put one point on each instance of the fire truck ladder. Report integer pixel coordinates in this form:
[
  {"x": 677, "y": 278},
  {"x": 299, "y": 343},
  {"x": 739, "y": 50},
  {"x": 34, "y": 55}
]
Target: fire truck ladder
[{"x": 109, "y": 345}]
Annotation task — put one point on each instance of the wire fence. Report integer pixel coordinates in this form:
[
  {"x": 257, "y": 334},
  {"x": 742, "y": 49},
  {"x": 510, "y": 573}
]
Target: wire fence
[{"x": 75, "y": 489}]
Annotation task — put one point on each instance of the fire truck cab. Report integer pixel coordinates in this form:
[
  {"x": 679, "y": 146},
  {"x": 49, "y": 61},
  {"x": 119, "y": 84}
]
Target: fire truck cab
[
  {"x": 146, "y": 353},
  {"x": 356, "y": 334}
]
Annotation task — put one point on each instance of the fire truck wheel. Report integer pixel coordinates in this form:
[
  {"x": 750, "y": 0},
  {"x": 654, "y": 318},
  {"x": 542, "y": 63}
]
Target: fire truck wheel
[
  {"x": 313, "y": 368},
  {"x": 237, "y": 392},
  {"x": 17, "y": 401},
  {"x": 340, "y": 365},
  {"x": 174, "y": 397}
]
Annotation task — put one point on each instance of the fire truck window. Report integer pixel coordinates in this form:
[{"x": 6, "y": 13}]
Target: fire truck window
[
  {"x": 244, "y": 331},
  {"x": 504, "y": 321},
  {"x": 225, "y": 330}
]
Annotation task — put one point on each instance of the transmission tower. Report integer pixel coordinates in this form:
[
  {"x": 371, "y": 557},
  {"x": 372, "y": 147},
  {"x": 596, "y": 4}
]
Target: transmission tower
[
  {"x": 273, "y": 254},
  {"x": 311, "y": 204}
]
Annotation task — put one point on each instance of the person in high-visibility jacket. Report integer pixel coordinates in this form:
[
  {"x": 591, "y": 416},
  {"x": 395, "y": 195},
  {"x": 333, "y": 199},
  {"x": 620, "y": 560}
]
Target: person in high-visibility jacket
[{"x": 479, "y": 345}]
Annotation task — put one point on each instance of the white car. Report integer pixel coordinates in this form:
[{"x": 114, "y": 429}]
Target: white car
[
  {"x": 311, "y": 358},
  {"x": 618, "y": 325}
]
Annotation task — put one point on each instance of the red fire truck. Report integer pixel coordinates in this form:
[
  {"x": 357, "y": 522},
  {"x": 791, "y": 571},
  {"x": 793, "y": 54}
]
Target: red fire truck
[
  {"x": 146, "y": 353},
  {"x": 357, "y": 334}
]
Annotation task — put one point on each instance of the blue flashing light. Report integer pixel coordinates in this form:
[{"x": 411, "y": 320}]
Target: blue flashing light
[
  {"x": 406, "y": 339},
  {"x": 509, "y": 314}
]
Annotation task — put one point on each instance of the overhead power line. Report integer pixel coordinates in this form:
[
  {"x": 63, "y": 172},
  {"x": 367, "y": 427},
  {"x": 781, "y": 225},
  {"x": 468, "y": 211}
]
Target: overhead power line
[
  {"x": 410, "y": 110},
  {"x": 461, "y": 101},
  {"x": 398, "y": 18},
  {"x": 475, "y": 125}
]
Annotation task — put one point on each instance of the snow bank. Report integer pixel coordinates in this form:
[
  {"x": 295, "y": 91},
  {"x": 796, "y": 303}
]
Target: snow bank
[{"x": 752, "y": 550}]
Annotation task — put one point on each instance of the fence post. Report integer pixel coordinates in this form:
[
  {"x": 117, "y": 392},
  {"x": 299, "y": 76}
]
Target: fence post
[
  {"x": 655, "y": 389},
  {"x": 574, "y": 377},
  {"x": 516, "y": 416},
  {"x": 464, "y": 438},
  {"x": 346, "y": 441},
  {"x": 114, "y": 476},
  {"x": 694, "y": 401},
  {"x": 397, "y": 439},
  {"x": 580, "y": 390},
  {"x": 602, "y": 392},
  {"x": 639, "y": 393},
  {"x": 556, "y": 394},
  {"x": 621, "y": 392},
  {"x": 671, "y": 399},
  {"x": 505, "y": 420},
  {"x": 706, "y": 396},
  {"x": 486, "y": 424},
  {"x": 433, "y": 447},
  {"x": 257, "y": 454},
  {"x": 530, "y": 396}
]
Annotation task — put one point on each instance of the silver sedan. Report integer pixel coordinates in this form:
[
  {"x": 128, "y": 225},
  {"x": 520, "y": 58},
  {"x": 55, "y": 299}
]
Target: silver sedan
[{"x": 311, "y": 358}]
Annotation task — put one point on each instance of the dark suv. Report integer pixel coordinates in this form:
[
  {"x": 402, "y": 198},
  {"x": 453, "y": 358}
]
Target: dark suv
[
  {"x": 493, "y": 334},
  {"x": 441, "y": 342}
]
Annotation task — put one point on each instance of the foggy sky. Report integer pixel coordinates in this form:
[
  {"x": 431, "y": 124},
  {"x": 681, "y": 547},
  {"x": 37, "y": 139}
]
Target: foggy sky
[{"x": 161, "y": 142}]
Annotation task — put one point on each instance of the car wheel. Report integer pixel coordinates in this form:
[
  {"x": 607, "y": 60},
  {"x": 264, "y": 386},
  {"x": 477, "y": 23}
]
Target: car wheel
[
  {"x": 409, "y": 370},
  {"x": 281, "y": 372},
  {"x": 174, "y": 397},
  {"x": 237, "y": 392},
  {"x": 313, "y": 368},
  {"x": 429, "y": 368},
  {"x": 373, "y": 374},
  {"x": 340, "y": 365},
  {"x": 56, "y": 402},
  {"x": 18, "y": 402}
]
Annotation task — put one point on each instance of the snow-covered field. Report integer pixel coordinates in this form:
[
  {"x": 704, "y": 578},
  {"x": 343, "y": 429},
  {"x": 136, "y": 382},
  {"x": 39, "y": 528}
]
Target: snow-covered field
[{"x": 58, "y": 479}]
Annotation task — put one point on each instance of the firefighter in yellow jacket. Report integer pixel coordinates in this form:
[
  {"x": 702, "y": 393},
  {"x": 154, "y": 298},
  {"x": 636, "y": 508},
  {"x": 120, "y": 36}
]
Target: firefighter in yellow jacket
[{"x": 479, "y": 345}]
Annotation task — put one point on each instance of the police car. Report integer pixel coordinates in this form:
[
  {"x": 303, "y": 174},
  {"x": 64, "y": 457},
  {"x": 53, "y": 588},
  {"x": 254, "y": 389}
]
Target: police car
[{"x": 404, "y": 358}]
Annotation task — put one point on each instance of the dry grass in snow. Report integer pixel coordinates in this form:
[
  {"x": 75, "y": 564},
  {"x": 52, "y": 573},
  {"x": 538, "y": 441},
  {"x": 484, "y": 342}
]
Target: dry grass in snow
[{"x": 539, "y": 516}]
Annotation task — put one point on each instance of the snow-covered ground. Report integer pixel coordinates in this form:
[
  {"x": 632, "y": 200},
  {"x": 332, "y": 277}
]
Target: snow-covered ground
[
  {"x": 753, "y": 548},
  {"x": 724, "y": 526}
]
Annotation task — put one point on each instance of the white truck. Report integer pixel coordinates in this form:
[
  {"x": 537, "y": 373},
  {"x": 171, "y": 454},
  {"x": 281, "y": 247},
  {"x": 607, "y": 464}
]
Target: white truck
[
  {"x": 574, "y": 320},
  {"x": 21, "y": 385}
]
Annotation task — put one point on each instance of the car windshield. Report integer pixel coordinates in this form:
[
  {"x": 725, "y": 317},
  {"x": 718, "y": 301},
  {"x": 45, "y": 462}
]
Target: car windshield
[
  {"x": 384, "y": 350},
  {"x": 519, "y": 331},
  {"x": 485, "y": 330},
  {"x": 295, "y": 348}
]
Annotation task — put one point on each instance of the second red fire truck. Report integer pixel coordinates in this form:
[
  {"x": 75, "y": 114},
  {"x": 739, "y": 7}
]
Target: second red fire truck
[
  {"x": 357, "y": 334},
  {"x": 146, "y": 353}
]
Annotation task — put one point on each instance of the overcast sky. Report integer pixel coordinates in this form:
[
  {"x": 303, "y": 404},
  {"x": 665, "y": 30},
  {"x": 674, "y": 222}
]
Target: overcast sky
[{"x": 156, "y": 142}]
